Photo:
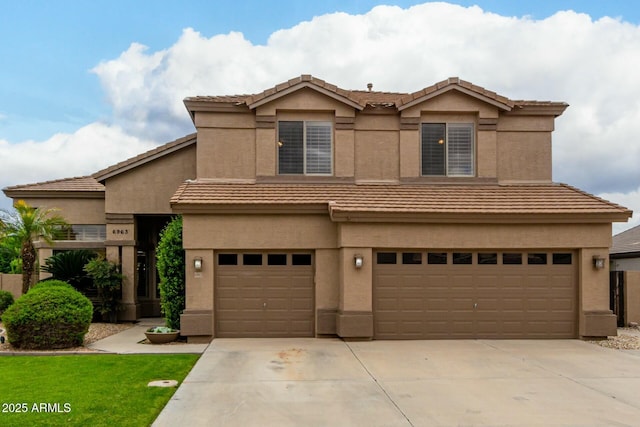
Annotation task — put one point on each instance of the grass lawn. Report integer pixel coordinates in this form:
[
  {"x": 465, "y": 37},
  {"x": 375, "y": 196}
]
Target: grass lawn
[{"x": 87, "y": 390}]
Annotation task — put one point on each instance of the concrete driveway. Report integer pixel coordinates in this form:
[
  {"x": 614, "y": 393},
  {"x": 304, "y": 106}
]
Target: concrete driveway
[{"x": 328, "y": 382}]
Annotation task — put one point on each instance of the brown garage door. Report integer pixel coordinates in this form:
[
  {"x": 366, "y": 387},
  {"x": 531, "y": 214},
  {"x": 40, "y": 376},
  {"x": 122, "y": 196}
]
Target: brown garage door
[
  {"x": 264, "y": 295},
  {"x": 447, "y": 294}
]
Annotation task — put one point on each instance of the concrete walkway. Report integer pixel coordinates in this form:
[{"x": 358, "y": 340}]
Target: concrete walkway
[
  {"x": 130, "y": 340},
  {"x": 328, "y": 382}
]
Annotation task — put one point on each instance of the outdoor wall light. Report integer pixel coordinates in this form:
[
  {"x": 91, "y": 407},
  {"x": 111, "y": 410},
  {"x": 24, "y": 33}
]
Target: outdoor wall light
[
  {"x": 358, "y": 260},
  {"x": 598, "y": 262},
  {"x": 197, "y": 264}
]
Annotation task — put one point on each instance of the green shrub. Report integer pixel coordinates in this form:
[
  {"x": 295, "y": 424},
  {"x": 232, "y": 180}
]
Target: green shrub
[
  {"x": 51, "y": 282},
  {"x": 170, "y": 256},
  {"x": 48, "y": 317},
  {"x": 6, "y": 299},
  {"x": 108, "y": 280}
]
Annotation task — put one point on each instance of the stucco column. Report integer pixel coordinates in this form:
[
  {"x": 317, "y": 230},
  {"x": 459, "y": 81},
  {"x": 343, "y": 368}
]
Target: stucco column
[
  {"x": 596, "y": 319},
  {"x": 355, "y": 316},
  {"x": 121, "y": 249},
  {"x": 196, "y": 321}
]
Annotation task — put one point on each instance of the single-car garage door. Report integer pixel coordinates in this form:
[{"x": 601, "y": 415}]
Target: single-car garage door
[
  {"x": 481, "y": 294},
  {"x": 264, "y": 294}
]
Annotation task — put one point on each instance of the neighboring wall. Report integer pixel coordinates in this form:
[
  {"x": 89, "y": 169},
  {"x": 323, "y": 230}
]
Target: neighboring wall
[
  {"x": 11, "y": 283},
  {"x": 632, "y": 296}
]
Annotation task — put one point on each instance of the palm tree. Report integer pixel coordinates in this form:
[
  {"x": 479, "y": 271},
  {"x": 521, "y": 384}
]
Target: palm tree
[{"x": 27, "y": 225}]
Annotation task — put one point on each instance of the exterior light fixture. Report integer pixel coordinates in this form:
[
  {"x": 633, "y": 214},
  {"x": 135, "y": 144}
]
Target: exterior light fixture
[
  {"x": 598, "y": 262},
  {"x": 280, "y": 144},
  {"x": 358, "y": 260},
  {"x": 197, "y": 264}
]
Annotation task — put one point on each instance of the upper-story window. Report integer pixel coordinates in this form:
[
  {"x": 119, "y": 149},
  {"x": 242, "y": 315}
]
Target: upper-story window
[
  {"x": 448, "y": 149},
  {"x": 304, "y": 148}
]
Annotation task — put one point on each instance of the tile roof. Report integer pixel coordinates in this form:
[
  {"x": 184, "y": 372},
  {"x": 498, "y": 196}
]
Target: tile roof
[
  {"x": 626, "y": 242},
  {"x": 551, "y": 199},
  {"x": 76, "y": 184},
  {"x": 373, "y": 98}
]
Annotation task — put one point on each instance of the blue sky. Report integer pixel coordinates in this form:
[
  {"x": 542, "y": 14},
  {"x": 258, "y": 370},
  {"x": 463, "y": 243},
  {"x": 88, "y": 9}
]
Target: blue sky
[{"x": 75, "y": 73}]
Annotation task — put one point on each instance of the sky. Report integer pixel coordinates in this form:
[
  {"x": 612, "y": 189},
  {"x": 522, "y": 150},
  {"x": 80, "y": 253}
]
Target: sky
[{"x": 87, "y": 84}]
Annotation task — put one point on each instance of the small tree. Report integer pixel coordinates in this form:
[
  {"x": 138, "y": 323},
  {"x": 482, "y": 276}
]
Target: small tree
[
  {"x": 170, "y": 256},
  {"x": 27, "y": 225},
  {"x": 68, "y": 266},
  {"x": 107, "y": 279}
]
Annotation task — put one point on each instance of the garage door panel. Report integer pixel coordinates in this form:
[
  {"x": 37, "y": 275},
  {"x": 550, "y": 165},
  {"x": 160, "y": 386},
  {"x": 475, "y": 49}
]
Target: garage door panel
[
  {"x": 264, "y": 300},
  {"x": 513, "y": 301}
]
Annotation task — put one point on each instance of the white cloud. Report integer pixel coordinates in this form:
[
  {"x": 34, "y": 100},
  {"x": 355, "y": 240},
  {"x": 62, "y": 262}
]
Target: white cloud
[
  {"x": 566, "y": 57},
  {"x": 629, "y": 200},
  {"x": 88, "y": 150}
]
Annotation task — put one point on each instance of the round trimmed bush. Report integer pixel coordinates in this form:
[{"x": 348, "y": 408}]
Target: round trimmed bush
[
  {"x": 48, "y": 317},
  {"x": 6, "y": 299},
  {"x": 51, "y": 282}
]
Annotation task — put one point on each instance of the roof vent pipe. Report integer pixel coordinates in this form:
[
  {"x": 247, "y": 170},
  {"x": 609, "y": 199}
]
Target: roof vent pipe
[{"x": 369, "y": 86}]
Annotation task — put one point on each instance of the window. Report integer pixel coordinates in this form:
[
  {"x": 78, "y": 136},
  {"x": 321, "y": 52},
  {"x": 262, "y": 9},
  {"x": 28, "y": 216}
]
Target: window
[
  {"x": 227, "y": 259},
  {"x": 490, "y": 258},
  {"x": 537, "y": 259},
  {"x": 447, "y": 149},
  {"x": 301, "y": 259},
  {"x": 277, "y": 259},
  {"x": 562, "y": 258},
  {"x": 386, "y": 257},
  {"x": 462, "y": 258},
  {"x": 251, "y": 259},
  {"x": 512, "y": 258},
  {"x": 437, "y": 258},
  {"x": 411, "y": 258},
  {"x": 304, "y": 148},
  {"x": 82, "y": 232}
]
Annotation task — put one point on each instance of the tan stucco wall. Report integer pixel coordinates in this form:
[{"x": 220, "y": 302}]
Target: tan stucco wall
[
  {"x": 148, "y": 188},
  {"x": 11, "y": 283},
  {"x": 327, "y": 263},
  {"x": 74, "y": 211},
  {"x": 475, "y": 236},
  {"x": 227, "y": 153},
  {"x": 377, "y": 156},
  {"x": 258, "y": 232},
  {"x": 524, "y": 156},
  {"x": 305, "y": 100},
  {"x": 452, "y": 101},
  {"x": 513, "y": 148}
]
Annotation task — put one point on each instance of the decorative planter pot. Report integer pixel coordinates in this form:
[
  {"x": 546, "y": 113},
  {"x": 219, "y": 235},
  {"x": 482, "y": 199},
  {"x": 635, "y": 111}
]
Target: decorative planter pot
[{"x": 162, "y": 337}]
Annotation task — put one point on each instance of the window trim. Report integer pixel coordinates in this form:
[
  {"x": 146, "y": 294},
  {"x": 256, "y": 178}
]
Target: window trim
[
  {"x": 447, "y": 126},
  {"x": 305, "y": 148}
]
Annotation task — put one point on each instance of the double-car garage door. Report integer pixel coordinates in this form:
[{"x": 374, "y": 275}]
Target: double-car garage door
[
  {"x": 260, "y": 294},
  {"x": 461, "y": 294}
]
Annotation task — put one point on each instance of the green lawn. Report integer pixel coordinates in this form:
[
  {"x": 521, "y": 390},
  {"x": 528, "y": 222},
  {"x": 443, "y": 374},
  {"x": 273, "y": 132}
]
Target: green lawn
[{"x": 87, "y": 390}]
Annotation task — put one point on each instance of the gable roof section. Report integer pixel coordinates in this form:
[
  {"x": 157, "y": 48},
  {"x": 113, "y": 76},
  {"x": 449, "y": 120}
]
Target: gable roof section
[
  {"x": 454, "y": 83},
  {"x": 304, "y": 81},
  {"x": 81, "y": 187},
  {"x": 437, "y": 203},
  {"x": 627, "y": 242},
  {"x": 360, "y": 99},
  {"x": 146, "y": 157}
]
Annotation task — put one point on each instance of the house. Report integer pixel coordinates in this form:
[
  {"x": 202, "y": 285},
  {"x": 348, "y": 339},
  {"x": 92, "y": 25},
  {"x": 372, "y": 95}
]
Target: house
[
  {"x": 625, "y": 276},
  {"x": 312, "y": 210}
]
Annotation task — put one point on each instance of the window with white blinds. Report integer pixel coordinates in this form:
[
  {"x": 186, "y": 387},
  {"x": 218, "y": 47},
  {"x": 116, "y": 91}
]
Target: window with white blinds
[
  {"x": 447, "y": 149},
  {"x": 304, "y": 148}
]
